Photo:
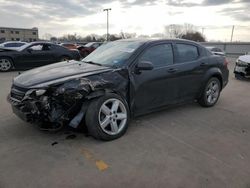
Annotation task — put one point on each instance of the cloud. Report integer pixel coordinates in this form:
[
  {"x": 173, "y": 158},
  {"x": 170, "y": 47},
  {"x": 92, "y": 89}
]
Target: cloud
[
  {"x": 181, "y": 3},
  {"x": 216, "y": 2},
  {"x": 237, "y": 13}
]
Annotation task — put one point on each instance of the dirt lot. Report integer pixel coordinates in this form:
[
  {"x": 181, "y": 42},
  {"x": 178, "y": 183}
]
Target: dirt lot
[{"x": 187, "y": 146}]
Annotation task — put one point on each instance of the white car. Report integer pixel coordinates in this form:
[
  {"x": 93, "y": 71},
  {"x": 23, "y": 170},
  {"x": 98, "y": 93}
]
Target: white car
[
  {"x": 12, "y": 44},
  {"x": 242, "y": 66}
]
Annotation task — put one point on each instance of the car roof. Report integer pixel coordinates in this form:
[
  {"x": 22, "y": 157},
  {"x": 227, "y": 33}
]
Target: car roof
[
  {"x": 8, "y": 42},
  {"x": 41, "y": 42},
  {"x": 150, "y": 40}
]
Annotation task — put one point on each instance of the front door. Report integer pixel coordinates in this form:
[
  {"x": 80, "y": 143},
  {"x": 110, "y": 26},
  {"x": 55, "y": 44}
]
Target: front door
[{"x": 157, "y": 87}]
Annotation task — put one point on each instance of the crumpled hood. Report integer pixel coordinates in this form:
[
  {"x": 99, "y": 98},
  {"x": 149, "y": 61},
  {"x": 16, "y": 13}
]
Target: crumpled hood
[
  {"x": 245, "y": 58},
  {"x": 56, "y": 72}
]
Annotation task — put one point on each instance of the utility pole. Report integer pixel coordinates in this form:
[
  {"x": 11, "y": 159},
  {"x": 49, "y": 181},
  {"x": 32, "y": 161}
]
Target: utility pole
[
  {"x": 232, "y": 34},
  {"x": 107, "y": 9},
  {"x": 203, "y": 31}
]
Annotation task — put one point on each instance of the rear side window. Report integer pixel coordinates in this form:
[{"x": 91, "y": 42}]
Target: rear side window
[
  {"x": 13, "y": 44},
  {"x": 159, "y": 55},
  {"x": 186, "y": 53}
]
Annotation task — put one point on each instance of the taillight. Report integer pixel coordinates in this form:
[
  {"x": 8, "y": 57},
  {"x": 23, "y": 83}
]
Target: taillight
[{"x": 225, "y": 62}]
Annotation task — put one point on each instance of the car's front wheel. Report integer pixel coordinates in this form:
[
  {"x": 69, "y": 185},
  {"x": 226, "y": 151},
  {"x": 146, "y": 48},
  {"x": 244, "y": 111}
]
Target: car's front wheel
[
  {"x": 5, "y": 64},
  {"x": 211, "y": 93},
  {"x": 107, "y": 117}
]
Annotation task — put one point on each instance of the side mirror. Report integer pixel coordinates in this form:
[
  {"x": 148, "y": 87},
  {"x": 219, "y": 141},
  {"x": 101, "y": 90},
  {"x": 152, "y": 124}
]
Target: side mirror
[{"x": 144, "y": 65}]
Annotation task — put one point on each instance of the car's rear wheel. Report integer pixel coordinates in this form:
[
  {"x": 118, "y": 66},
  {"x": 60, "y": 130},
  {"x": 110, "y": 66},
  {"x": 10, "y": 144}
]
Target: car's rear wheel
[
  {"x": 5, "y": 64},
  {"x": 211, "y": 93},
  {"x": 107, "y": 117}
]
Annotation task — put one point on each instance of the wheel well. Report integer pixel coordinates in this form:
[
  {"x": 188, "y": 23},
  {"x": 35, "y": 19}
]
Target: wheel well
[
  {"x": 219, "y": 78},
  {"x": 7, "y": 57}
]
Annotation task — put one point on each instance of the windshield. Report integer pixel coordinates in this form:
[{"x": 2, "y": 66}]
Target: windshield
[
  {"x": 23, "y": 47},
  {"x": 113, "y": 53}
]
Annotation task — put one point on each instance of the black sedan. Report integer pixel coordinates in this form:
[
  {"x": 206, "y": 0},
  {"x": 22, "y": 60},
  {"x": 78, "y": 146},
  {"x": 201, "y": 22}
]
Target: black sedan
[
  {"x": 34, "y": 55},
  {"x": 119, "y": 80}
]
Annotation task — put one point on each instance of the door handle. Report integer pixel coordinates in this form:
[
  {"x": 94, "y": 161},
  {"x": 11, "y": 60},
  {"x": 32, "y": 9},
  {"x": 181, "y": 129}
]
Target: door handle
[
  {"x": 203, "y": 64},
  {"x": 172, "y": 70}
]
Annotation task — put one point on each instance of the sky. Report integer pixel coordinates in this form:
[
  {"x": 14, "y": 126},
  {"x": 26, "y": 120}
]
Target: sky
[{"x": 144, "y": 17}]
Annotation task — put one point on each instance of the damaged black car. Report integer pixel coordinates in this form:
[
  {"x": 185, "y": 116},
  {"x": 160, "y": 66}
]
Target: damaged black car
[{"x": 118, "y": 81}]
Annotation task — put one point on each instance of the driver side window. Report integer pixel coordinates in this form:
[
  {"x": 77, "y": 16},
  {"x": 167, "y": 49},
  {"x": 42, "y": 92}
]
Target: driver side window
[
  {"x": 37, "y": 47},
  {"x": 160, "y": 55},
  {"x": 40, "y": 47}
]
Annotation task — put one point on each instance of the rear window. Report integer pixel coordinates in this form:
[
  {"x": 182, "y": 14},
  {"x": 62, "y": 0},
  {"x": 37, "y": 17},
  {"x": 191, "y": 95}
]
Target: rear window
[
  {"x": 186, "y": 53},
  {"x": 13, "y": 44}
]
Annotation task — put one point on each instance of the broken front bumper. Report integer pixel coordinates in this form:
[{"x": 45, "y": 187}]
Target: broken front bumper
[{"x": 43, "y": 110}]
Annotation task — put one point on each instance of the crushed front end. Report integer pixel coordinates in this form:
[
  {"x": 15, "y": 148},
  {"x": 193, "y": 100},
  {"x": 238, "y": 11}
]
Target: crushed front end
[
  {"x": 242, "y": 68},
  {"x": 53, "y": 105},
  {"x": 47, "y": 107}
]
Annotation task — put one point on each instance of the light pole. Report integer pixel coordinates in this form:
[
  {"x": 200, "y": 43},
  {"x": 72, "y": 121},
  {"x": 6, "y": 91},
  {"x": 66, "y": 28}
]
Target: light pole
[
  {"x": 107, "y": 9},
  {"x": 232, "y": 34}
]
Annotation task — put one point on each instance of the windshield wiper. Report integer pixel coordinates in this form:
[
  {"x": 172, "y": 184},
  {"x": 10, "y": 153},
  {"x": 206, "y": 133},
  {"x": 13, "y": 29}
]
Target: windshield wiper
[{"x": 93, "y": 63}]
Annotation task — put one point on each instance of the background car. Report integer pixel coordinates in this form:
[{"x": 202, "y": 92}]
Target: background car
[
  {"x": 88, "y": 48},
  {"x": 242, "y": 66},
  {"x": 12, "y": 44},
  {"x": 34, "y": 55},
  {"x": 216, "y": 51},
  {"x": 70, "y": 46},
  {"x": 119, "y": 80}
]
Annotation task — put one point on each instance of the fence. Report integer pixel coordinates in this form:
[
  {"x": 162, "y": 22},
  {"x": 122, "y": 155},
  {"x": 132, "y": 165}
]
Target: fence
[{"x": 231, "y": 48}]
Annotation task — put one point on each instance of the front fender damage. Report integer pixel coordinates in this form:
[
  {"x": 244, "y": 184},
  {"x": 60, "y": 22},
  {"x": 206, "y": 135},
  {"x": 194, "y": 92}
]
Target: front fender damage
[{"x": 67, "y": 103}]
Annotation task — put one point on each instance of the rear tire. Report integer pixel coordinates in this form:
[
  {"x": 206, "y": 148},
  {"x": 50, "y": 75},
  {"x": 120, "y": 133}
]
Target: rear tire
[
  {"x": 107, "y": 117},
  {"x": 6, "y": 64},
  {"x": 210, "y": 93}
]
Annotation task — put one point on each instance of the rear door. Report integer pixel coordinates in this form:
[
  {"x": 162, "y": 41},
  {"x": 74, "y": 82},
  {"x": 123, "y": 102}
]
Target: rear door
[{"x": 191, "y": 66}]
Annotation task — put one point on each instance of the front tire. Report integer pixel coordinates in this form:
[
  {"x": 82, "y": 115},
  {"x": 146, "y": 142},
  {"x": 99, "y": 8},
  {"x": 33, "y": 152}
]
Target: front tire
[
  {"x": 6, "y": 64},
  {"x": 211, "y": 93},
  {"x": 107, "y": 117}
]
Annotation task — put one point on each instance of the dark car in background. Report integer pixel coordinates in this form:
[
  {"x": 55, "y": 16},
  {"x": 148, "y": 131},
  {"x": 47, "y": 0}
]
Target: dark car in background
[
  {"x": 216, "y": 50},
  {"x": 119, "y": 80},
  {"x": 34, "y": 54},
  {"x": 85, "y": 50}
]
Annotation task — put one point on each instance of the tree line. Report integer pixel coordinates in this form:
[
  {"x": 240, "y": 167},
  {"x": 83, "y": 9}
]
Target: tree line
[{"x": 184, "y": 31}]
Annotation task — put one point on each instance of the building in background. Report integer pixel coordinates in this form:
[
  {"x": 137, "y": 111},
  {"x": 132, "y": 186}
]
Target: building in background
[{"x": 18, "y": 34}]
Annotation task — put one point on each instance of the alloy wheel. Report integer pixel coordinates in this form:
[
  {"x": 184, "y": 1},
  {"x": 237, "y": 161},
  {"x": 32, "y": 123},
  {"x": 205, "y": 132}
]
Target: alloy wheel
[
  {"x": 5, "y": 64},
  {"x": 112, "y": 116},
  {"x": 212, "y": 92}
]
